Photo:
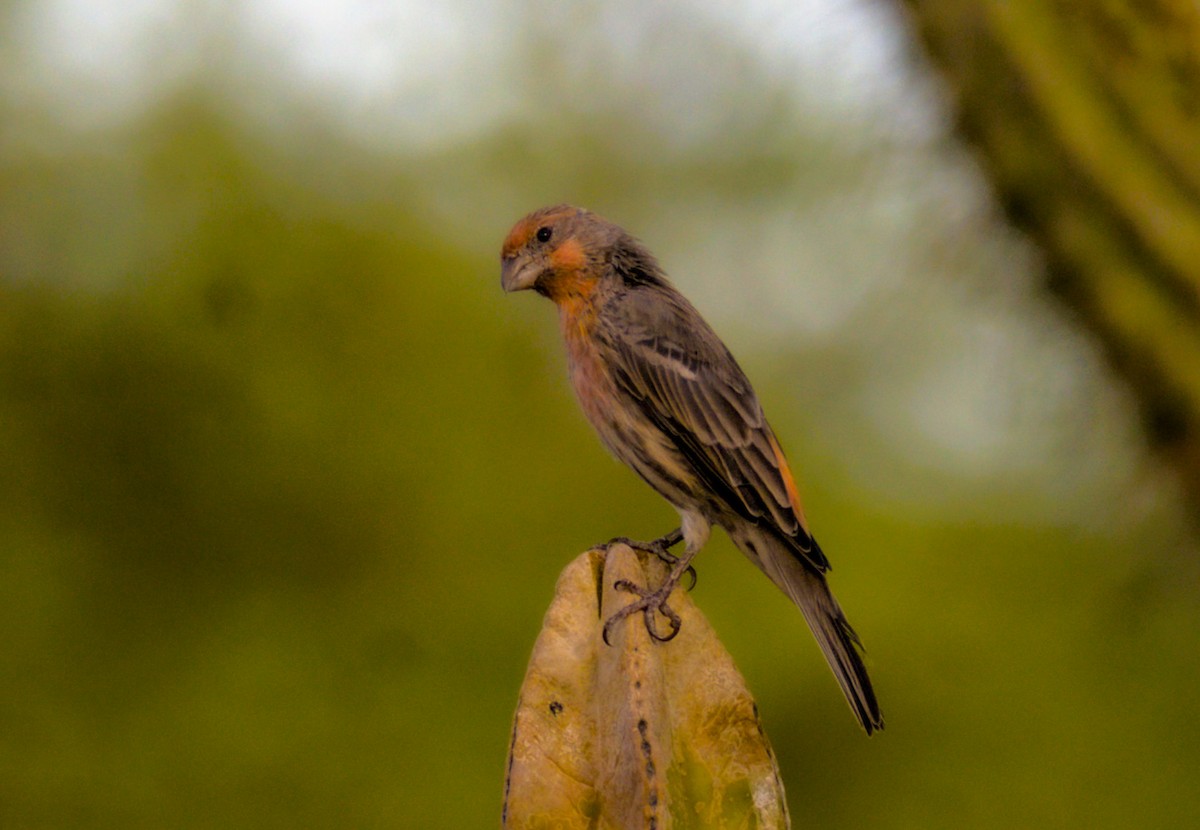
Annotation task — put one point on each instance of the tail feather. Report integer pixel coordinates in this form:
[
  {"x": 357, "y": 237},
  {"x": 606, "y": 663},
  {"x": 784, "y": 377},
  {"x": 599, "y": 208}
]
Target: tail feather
[{"x": 809, "y": 590}]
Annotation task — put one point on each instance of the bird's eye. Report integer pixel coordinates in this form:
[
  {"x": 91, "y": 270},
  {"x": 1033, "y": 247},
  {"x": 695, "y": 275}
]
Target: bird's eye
[{"x": 543, "y": 234}]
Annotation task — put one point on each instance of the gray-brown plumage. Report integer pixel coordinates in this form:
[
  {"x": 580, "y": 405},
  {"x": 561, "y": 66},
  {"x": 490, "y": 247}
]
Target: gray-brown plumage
[{"x": 669, "y": 400}]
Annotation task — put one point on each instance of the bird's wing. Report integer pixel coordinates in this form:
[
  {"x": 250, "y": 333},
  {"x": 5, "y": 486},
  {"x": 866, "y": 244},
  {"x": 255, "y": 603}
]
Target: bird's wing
[{"x": 686, "y": 381}]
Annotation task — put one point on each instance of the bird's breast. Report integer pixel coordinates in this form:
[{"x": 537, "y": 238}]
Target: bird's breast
[
  {"x": 618, "y": 420},
  {"x": 590, "y": 375}
]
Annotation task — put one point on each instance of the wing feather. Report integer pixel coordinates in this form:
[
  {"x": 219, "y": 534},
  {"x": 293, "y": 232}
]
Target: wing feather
[{"x": 690, "y": 386}]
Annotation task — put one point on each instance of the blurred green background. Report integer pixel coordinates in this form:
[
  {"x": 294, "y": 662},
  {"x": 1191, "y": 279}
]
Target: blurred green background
[{"x": 287, "y": 481}]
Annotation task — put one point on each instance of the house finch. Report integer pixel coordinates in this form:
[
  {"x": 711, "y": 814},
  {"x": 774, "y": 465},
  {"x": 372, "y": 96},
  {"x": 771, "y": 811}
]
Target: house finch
[{"x": 669, "y": 400}]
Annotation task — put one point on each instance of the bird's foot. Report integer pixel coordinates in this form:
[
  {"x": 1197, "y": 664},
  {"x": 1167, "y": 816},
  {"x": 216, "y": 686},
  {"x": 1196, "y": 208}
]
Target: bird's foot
[
  {"x": 648, "y": 603},
  {"x": 660, "y": 547},
  {"x": 651, "y": 602}
]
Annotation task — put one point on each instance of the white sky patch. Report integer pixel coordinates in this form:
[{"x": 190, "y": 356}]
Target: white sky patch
[
  {"x": 95, "y": 63},
  {"x": 409, "y": 73},
  {"x": 848, "y": 57},
  {"x": 418, "y": 73},
  {"x": 413, "y": 74}
]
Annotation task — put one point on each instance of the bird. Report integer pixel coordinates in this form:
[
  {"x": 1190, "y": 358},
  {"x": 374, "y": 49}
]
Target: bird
[{"x": 669, "y": 400}]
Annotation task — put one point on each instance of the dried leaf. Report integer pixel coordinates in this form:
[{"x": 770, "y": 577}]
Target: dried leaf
[{"x": 640, "y": 734}]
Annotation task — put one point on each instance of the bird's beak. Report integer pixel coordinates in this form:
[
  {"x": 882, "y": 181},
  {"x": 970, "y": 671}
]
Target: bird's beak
[{"x": 517, "y": 273}]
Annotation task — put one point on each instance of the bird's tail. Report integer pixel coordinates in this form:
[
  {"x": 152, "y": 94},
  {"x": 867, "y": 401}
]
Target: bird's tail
[{"x": 808, "y": 589}]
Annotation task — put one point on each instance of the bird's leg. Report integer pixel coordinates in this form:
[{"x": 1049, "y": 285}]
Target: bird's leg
[
  {"x": 660, "y": 547},
  {"x": 651, "y": 601}
]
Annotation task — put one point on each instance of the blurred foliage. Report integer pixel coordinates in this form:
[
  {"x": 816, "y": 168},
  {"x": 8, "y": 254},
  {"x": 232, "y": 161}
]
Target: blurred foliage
[
  {"x": 1088, "y": 119},
  {"x": 288, "y": 482}
]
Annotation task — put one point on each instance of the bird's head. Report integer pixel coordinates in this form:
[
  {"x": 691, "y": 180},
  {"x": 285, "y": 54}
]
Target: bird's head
[
  {"x": 551, "y": 249},
  {"x": 563, "y": 251}
]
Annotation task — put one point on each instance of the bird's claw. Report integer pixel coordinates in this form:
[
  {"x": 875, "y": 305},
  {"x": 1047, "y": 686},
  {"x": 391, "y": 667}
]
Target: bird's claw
[
  {"x": 660, "y": 547},
  {"x": 648, "y": 603}
]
